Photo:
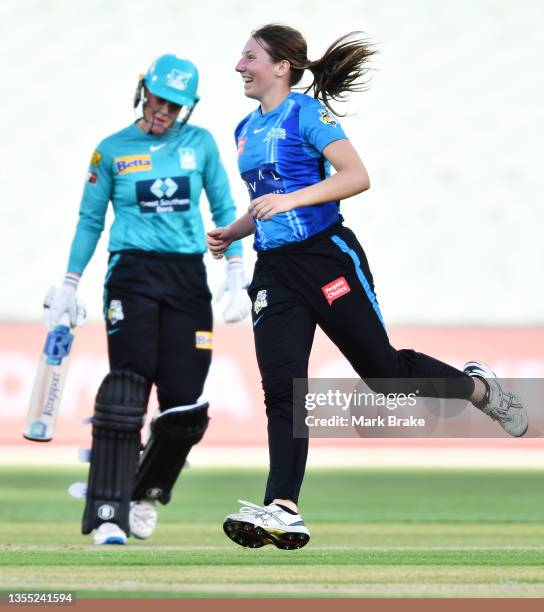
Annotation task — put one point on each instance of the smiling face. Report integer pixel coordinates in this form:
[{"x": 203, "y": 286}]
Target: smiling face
[{"x": 261, "y": 75}]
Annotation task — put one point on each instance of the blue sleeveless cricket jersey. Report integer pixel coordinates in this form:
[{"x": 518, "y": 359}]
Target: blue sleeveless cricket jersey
[
  {"x": 282, "y": 151},
  {"x": 154, "y": 184}
]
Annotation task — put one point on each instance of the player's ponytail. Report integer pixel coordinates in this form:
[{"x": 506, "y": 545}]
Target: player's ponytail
[{"x": 340, "y": 71}]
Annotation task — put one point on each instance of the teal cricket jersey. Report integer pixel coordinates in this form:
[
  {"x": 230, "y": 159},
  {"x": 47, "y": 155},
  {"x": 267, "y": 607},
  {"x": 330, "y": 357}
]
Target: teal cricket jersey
[{"x": 154, "y": 184}]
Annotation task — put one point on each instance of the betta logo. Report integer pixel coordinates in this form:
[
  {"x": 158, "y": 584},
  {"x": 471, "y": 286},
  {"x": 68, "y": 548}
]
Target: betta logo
[
  {"x": 133, "y": 163},
  {"x": 203, "y": 340}
]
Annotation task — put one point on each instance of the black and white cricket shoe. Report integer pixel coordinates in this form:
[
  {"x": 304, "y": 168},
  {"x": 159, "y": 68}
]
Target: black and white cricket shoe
[
  {"x": 255, "y": 526},
  {"x": 502, "y": 406}
]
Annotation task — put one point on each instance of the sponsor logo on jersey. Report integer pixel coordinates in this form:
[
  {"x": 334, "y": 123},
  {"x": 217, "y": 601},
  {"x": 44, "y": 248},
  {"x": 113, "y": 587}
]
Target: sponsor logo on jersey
[
  {"x": 275, "y": 132},
  {"x": 260, "y": 302},
  {"x": 115, "y": 312},
  {"x": 95, "y": 158},
  {"x": 203, "y": 340},
  {"x": 187, "y": 158},
  {"x": 241, "y": 145},
  {"x": 163, "y": 188},
  {"x": 263, "y": 180},
  {"x": 133, "y": 163},
  {"x": 326, "y": 117},
  {"x": 336, "y": 289},
  {"x": 164, "y": 195},
  {"x": 177, "y": 79},
  {"x": 92, "y": 177}
]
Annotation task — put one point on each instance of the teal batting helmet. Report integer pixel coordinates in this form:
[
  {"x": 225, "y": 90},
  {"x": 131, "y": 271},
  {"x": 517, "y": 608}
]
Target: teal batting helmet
[{"x": 174, "y": 79}]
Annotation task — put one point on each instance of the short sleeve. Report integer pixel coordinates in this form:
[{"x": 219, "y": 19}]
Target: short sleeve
[{"x": 318, "y": 126}]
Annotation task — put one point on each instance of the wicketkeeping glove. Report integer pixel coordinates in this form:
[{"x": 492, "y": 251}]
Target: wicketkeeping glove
[
  {"x": 63, "y": 300},
  {"x": 239, "y": 304}
]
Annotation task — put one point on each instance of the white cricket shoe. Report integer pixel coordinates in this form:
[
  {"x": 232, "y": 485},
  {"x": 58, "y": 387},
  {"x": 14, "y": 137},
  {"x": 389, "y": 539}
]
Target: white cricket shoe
[
  {"x": 109, "y": 533},
  {"x": 142, "y": 518},
  {"x": 502, "y": 406},
  {"x": 255, "y": 526}
]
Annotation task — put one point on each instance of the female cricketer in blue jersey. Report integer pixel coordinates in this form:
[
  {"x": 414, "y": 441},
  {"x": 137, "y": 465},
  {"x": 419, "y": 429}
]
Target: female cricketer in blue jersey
[
  {"x": 156, "y": 298},
  {"x": 311, "y": 270}
]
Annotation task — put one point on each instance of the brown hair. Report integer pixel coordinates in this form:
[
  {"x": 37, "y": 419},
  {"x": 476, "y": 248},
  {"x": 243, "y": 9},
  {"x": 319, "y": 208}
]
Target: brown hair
[{"x": 337, "y": 73}]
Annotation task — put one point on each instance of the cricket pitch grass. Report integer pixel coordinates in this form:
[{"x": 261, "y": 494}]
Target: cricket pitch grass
[{"x": 379, "y": 533}]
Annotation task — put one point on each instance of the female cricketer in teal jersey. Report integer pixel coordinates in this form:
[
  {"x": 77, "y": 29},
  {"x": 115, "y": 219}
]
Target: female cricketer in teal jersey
[
  {"x": 156, "y": 298},
  {"x": 311, "y": 270}
]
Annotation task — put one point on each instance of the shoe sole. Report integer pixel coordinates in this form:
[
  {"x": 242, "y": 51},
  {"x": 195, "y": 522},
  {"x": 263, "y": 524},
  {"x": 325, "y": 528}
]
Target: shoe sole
[
  {"x": 248, "y": 535},
  {"x": 518, "y": 435},
  {"x": 112, "y": 540}
]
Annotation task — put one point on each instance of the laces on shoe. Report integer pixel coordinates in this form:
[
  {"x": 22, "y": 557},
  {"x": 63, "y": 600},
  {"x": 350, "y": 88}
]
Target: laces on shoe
[
  {"x": 259, "y": 511},
  {"x": 248, "y": 507}
]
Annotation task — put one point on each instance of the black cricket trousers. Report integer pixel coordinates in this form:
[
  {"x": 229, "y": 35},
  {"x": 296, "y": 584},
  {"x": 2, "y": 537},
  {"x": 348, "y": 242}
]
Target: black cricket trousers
[
  {"x": 157, "y": 308},
  {"x": 326, "y": 281}
]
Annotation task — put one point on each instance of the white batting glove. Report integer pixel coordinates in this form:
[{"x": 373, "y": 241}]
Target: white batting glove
[
  {"x": 58, "y": 302},
  {"x": 239, "y": 304}
]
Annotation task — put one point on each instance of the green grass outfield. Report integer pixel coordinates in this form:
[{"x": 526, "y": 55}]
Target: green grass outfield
[{"x": 381, "y": 533}]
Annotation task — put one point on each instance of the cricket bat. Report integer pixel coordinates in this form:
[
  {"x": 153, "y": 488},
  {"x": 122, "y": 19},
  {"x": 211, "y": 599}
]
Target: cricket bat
[{"x": 49, "y": 383}]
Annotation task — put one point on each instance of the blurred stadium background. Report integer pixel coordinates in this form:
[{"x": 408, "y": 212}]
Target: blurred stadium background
[{"x": 451, "y": 131}]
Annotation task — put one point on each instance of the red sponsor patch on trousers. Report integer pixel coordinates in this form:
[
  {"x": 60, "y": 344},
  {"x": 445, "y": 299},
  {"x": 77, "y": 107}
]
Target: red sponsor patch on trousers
[{"x": 335, "y": 289}]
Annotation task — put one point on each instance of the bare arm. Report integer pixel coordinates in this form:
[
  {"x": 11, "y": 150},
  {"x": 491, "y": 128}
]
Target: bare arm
[
  {"x": 220, "y": 238},
  {"x": 242, "y": 227}
]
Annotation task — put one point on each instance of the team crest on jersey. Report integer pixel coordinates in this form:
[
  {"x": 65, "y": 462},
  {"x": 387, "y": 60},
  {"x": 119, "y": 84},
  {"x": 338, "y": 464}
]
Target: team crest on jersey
[
  {"x": 326, "y": 117},
  {"x": 115, "y": 312},
  {"x": 177, "y": 79},
  {"x": 275, "y": 132},
  {"x": 187, "y": 158},
  {"x": 260, "y": 302}
]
